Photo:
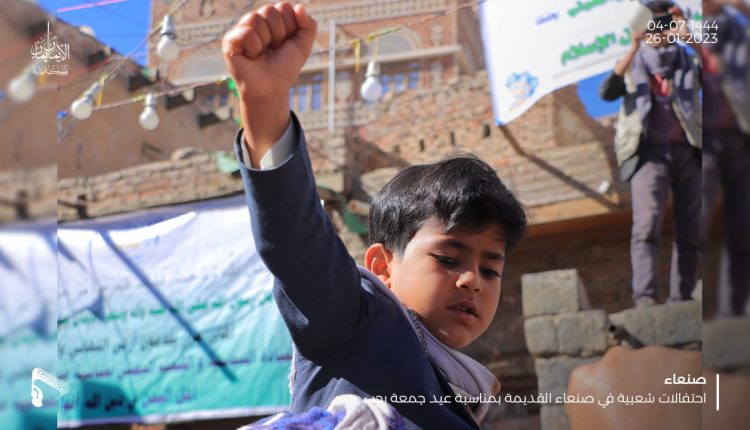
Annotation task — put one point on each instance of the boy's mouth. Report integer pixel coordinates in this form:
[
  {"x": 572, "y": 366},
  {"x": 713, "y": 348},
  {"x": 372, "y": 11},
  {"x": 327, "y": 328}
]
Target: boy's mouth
[{"x": 467, "y": 307}]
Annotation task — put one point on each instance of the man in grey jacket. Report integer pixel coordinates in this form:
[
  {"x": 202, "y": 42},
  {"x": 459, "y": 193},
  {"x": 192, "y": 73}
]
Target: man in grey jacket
[{"x": 658, "y": 147}]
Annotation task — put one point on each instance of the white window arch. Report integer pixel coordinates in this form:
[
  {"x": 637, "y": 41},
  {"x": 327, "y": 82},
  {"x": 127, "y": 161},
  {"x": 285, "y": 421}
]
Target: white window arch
[
  {"x": 401, "y": 41},
  {"x": 201, "y": 66}
]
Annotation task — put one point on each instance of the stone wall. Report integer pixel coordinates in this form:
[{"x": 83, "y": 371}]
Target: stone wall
[
  {"x": 562, "y": 333},
  {"x": 28, "y": 193},
  {"x": 150, "y": 185}
]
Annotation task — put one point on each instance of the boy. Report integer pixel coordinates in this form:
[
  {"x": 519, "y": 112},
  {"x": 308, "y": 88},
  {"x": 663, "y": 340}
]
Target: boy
[{"x": 439, "y": 234}]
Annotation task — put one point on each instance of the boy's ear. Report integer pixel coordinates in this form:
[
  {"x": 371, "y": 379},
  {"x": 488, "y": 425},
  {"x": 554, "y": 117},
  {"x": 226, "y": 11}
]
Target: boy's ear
[{"x": 378, "y": 261}]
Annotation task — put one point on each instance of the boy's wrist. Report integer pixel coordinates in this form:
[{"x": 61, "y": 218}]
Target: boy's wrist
[{"x": 264, "y": 119}]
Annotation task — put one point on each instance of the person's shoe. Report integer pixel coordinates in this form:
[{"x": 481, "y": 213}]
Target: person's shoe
[{"x": 645, "y": 301}]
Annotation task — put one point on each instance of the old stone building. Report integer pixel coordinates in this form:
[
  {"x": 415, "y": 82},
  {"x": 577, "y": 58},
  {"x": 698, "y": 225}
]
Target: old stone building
[{"x": 426, "y": 55}]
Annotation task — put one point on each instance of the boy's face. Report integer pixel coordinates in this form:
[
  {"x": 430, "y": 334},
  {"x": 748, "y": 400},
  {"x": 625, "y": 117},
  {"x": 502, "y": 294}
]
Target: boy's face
[{"x": 452, "y": 281}]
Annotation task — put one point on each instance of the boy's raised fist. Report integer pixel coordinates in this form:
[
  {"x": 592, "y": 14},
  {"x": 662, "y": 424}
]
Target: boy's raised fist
[
  {"x": 264, "y": 53},
  {"x": 267, "y": 48}
]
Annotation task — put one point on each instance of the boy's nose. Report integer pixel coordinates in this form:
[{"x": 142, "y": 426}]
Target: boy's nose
[{"x": 469, "y": 279}]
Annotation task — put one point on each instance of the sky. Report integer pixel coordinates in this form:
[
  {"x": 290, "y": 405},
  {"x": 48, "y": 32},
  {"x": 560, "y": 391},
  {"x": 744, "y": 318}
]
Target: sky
[{"x": 123, "y": 24}]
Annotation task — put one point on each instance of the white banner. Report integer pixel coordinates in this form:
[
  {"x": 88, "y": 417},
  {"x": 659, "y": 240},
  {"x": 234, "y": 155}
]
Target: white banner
[
  {"x": 533, "y": 47},
  {"x": 167, "y": 315}
]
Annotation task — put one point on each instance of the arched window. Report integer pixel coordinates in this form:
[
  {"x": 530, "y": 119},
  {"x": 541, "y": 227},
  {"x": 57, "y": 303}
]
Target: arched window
[
  {"x": 402, "y": 41},
  {"x": 201, "y": 66}
]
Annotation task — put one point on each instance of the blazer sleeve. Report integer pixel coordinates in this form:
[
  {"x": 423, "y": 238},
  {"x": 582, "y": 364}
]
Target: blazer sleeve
[
  {"x": 613, "y": 87},
  {"x": 317, "y": 286}
]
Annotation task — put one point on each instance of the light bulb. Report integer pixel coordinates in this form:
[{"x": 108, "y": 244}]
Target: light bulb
[
  {"x": 167, "y": 49},
  {"x": 372, "y": 89},
  {"x": 22, "y": 87},
  {"x": 149, "y": 119},
  {"x": 82, "y": 107}
]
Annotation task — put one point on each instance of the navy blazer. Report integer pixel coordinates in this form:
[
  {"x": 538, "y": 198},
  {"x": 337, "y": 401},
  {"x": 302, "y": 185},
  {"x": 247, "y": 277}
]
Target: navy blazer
[{"x": 349, "y": 337}]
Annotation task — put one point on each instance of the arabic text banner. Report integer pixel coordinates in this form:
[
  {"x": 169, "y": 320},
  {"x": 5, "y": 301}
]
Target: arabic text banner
[
  {"x": 534, "y": 47},
  {"x": 168, "y": 316}
]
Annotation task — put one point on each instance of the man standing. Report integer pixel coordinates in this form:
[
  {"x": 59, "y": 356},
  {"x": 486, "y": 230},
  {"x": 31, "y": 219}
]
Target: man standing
[
  {"x": 726, "y": 157},
  {"x": 658, "y": 147}
]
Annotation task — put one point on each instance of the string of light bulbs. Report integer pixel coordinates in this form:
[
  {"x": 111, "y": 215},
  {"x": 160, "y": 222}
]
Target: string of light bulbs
[
  {"x": 214, "y": 38},
  {"x": 82, "y": 107},
  {"x": 167, "y": 49},
  {"x": 371, "y": 89}
]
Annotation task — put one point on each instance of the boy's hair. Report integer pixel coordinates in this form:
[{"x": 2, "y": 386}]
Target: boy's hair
[{"x": 460, "y": 190}]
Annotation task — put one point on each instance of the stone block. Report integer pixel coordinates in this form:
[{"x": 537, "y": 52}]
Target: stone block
[
  {"x": 668, "y": 324},
  {"x": 726, "y": 344},
  {"x": 582, "y": 333},
  {"x": 552, "y": 373},
  {"x": 541, "y": 335},
  {"x": 553, "y": 292},
  {"x": 553, "y": 418}
]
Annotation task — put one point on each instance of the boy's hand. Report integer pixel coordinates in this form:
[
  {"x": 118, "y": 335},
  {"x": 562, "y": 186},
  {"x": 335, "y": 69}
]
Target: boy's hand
[{"x": 264, "y": 53}]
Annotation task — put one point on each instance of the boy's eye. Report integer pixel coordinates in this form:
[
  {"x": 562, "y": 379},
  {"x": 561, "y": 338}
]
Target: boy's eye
[
  {"x": 445, "y": 261},
  {"x": 490, "y": 273}
]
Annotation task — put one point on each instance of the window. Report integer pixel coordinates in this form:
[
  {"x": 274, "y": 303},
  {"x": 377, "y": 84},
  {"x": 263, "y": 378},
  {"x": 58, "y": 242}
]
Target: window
[
  {"x": 291, "y": 97},
  {"x": 209, "y": 104},
  {"x": 398, "y": 81},
  {"x": 301, "y": 98},
  {"x": 413, "y": 76},
  {"x": 223, "y": 95},
  {"x": 385, "y": 81},
  {"x": 395, "y": 43},
  {"x": 316, "y": 92},
  {"x": 316, "y": 96}
]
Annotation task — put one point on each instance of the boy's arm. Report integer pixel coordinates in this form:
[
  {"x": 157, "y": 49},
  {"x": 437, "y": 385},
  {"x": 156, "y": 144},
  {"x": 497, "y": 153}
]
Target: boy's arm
[
  {"x": 317, "y": 284},
  {"x": 264, "y": 53}
]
